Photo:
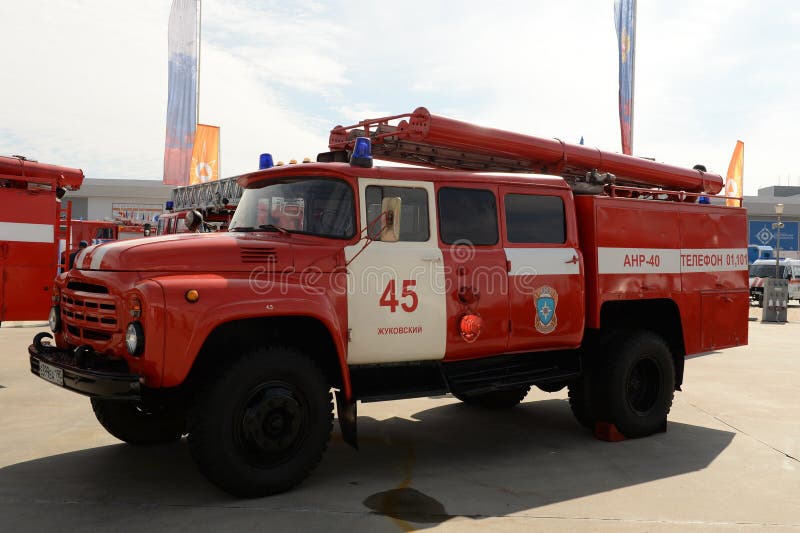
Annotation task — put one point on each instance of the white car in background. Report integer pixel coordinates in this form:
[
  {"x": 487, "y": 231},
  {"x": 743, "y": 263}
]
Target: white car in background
[{"x": 762, "y": 269}]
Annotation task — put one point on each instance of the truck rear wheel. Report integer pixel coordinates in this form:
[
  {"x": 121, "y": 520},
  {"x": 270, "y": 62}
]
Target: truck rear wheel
[
  {"x": 580, "y": 401},
  {"x": 636, "y": 385},
  {"x": 131, "y": 423},
  {"x": 262, "y": 427},
  {"x": 499, "y": 399}
]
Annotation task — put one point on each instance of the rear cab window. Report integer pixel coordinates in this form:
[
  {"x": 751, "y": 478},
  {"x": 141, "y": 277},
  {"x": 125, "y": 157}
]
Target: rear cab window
[
  {"x": 534, "y": 219},
  {"x": 467, "y": 216}
]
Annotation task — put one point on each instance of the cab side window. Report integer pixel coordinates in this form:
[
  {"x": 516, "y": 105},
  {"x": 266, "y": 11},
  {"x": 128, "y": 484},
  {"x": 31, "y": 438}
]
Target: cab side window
[
  {"x": 467, "y": 216},
  {"x": 535, "y": 219},
  {"x": 414, "y": 225}
]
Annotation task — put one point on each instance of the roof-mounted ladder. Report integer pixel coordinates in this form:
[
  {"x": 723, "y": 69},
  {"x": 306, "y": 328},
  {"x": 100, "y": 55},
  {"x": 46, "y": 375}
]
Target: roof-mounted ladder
[
  {"x": 221, "y": 194},
  {"x": 431, "y": 140}
]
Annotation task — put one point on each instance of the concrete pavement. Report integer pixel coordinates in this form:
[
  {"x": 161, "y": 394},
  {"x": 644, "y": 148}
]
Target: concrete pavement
[{"x": 728, "y": 462}]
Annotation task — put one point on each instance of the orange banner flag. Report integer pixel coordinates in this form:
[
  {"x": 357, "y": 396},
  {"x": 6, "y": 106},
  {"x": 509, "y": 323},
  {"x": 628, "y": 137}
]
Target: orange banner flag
[
  {"x": 205, "y": 155},
  {"x": 733, "y": 181}
]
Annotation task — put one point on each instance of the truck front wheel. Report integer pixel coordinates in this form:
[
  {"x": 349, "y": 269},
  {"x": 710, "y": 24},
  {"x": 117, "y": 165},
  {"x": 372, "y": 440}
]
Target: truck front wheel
[
  {"x": 132, "y": 423},
  {"x": 263, "y": 425},
  {"x": 637, "y": 384}
]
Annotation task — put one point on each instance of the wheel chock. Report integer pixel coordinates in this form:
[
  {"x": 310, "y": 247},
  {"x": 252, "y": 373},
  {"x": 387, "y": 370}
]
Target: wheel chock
[{"x": 608, "y": 432}]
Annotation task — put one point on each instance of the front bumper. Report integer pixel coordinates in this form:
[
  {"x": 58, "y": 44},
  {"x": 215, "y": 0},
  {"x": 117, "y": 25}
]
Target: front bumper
[{"x": 84, "y": 371}]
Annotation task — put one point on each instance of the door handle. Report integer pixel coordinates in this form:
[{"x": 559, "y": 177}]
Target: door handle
[
  {"x": 431, "y": 258},
  {"x": 573, "y": 260}
]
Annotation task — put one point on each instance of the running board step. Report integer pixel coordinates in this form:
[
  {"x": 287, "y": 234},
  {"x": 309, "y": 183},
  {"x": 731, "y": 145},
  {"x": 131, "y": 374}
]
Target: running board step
[{"x": 510, "y": 371}]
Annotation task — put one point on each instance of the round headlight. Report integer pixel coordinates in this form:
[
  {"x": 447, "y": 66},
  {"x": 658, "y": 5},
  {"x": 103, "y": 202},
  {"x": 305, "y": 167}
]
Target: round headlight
[
  {"x": 134, "y": 338},
  {"x": 55, "y": 318}
]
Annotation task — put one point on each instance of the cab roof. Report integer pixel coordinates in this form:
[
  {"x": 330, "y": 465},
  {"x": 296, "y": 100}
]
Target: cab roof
[{"x": 345, "y": 170}]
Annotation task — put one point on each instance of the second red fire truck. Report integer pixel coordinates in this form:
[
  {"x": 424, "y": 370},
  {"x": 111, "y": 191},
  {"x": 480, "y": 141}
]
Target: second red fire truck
[
  {"x": 32, "y": 222},
  {"x": 511, "y": 261}
]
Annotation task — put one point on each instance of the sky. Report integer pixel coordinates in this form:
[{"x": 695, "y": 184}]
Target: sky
[{"x": 83, "y": 83}]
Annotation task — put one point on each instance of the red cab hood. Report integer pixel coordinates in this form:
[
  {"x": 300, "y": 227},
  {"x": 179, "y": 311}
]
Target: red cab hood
[{"x": 193, "y": 252}]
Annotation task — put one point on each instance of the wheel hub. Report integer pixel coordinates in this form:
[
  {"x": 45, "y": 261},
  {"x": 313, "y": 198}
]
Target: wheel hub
[
  {"x": 272, "y": 420},
  {"x": 643, "y": 386}
]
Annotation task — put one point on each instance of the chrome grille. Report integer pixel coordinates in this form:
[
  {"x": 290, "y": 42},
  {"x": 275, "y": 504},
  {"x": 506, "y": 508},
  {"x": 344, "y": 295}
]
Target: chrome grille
[{"x": 89, "y": 312}]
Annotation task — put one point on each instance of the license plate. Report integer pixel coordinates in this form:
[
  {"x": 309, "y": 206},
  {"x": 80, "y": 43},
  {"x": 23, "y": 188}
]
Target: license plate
[{"x": 51, "y": 373}]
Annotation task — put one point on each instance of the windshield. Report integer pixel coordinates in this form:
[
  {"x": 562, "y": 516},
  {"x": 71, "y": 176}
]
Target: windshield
[
  {"x": 766, "y": 271},
  {"x": 313, "y": 206}
]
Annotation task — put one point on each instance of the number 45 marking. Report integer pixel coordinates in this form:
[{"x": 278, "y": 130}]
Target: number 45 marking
[{"x": 388, "y": 298}]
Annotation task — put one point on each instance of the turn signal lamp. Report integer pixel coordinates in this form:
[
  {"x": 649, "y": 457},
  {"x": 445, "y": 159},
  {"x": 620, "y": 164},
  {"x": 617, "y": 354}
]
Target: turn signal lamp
[
  {"x": 135, "y": 307},
  {"x": 192, "y": 295},
  {"x": 293, "y": 161},
  {"x": 362, "y": 153},
  {"x": 265, "y": 161},
  {"x": 470, "y": 327},
  {"x": 306, "y": 160}
]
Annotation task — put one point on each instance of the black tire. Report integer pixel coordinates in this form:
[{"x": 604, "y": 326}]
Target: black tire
[
  {"x": 499, "y": 399},
  {"x": 552, "y": 387},
  {"x": 581, "y": 402},
  {"x": 263, "y": 425},
  {"x": 583, "y": 391},
  {"x": 636, "y": 385},
  {"x": 131, "y": 423}
]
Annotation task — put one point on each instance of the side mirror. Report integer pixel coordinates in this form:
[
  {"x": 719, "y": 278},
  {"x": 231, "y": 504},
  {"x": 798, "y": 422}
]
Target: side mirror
[{"x": 390, "y": 227}]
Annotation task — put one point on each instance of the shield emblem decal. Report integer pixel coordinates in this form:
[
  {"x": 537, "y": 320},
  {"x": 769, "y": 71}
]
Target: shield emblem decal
[{"x": 545, "y": 300}]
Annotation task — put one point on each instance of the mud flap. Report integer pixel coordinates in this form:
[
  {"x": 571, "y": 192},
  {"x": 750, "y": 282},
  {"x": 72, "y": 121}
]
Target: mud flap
[{"x": 347, "y": 411}]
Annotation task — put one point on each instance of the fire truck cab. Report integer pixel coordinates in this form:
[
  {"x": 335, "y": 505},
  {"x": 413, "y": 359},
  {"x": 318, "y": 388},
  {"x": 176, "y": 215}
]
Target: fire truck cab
[{"x": 501, "y": 262}]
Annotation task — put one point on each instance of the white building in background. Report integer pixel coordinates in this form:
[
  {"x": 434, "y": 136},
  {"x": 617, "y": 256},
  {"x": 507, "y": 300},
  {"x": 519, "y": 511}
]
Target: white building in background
[{"x": 114, "y": 199}]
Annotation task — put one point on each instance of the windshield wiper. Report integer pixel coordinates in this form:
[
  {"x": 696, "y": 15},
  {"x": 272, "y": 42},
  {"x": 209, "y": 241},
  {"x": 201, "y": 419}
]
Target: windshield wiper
[
  {"x": 273, "y": 227},
  {"x": 267, "y": 227}
]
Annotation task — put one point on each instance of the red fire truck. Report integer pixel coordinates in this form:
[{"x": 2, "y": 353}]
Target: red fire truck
[
  {"x": 32, "y": 222},
  {"x": 102, "y": 231},
  {"x": 511, "y": 261}
]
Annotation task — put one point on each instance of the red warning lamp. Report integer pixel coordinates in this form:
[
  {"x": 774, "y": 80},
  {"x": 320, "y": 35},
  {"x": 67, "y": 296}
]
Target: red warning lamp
[{"x": 470, "y": 327}]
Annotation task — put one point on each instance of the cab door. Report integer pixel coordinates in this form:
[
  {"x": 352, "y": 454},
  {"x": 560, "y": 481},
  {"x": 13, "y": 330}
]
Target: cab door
[
  {"x": 475, "y": 269},
  {"x": 395, "y": 301},
  {"x": 545, "y": 267}
]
